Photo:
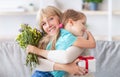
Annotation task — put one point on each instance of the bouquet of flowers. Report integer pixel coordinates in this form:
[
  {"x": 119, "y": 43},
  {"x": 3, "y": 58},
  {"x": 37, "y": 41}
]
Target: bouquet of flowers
[{"x": 29, "y": 36}]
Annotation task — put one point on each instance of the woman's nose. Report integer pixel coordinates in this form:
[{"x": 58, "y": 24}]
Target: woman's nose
[{"x": 48, "y": 24}]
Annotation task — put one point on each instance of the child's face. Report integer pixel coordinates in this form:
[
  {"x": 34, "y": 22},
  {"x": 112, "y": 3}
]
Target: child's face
[
  {"x": 78, "y": 27},
  {"x": 50, "y": 25}
]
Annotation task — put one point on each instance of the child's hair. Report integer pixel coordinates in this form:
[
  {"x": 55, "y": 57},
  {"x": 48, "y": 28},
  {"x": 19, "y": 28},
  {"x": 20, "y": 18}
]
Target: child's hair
[
  {"x": 72, "y": 14},
  {"x": 47, "y": 12}
]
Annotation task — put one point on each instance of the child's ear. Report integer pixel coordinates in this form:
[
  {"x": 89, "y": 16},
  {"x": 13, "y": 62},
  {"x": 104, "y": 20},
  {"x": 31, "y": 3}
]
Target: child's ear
[{"x": 70, "y": 21}]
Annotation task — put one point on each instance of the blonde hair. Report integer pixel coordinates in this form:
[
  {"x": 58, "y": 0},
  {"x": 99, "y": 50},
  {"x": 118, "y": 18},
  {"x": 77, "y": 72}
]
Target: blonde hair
[
  {"x": 72, "y": 14},
  {"x": 47, "y": 12}
]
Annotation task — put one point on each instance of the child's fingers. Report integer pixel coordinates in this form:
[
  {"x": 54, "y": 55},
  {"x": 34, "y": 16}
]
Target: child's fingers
[{"x": 88, "y": 32}]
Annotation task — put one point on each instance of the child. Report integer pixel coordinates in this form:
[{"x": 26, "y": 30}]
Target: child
[
  {"x": 70, "y": 23},
  {"x": 75, "y": 23}
]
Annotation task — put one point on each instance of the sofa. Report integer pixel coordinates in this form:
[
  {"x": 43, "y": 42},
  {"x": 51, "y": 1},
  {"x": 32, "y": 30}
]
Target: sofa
[{"x": 12, "y": 59}]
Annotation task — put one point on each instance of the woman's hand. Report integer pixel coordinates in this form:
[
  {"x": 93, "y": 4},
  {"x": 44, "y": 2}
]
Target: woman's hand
[
  {"x": 71, "y": 68},
  {"x": 74, "y": 69},
  {"x": 31, "y": 49},
  {"x": 37, "y": 51}
]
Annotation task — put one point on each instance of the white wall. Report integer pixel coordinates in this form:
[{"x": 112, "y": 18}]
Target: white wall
[
  {"x": 98, "y": 24},
  {"x": 9, "y": 25}
]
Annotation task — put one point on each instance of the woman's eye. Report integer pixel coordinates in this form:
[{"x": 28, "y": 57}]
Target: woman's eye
[
  {"x": 43, "y": 24},
  {"x": 51, "y": 18}
]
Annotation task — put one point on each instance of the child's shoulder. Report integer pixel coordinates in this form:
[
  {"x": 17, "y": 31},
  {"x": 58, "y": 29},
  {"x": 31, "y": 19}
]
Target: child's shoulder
[
  {"x": 66, "y": 36},
  {"x": 64, "y": 32},
  {"x": 65, "y": 40}
]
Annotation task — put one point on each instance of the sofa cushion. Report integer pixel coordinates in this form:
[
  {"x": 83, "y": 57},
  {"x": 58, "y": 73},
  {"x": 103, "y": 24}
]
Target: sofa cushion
[
  {"x": 12, "y": 60},
  {"x": 107, "y": 54}
]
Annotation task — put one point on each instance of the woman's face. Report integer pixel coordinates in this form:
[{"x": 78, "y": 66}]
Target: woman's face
[{"x": 51, "y": 25}]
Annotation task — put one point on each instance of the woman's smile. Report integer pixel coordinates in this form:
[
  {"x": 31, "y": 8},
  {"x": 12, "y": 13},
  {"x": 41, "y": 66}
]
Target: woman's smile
[{"x": 52, "y": 30}]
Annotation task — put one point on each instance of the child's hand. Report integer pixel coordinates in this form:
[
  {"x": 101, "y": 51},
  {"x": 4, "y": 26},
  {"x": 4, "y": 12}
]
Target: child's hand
[{"x": 88, "y": 33}]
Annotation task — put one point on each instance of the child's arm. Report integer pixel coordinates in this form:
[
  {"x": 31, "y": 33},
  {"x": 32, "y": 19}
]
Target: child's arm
[{"x": 83, "y": 43}]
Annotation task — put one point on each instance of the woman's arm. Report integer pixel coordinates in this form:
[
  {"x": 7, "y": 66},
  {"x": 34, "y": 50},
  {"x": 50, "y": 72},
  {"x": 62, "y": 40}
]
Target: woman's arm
[
  {"x": 58, "y": 56},
  {"x": 45, "y": 65},
  {"x": 83, "y": 43},
  {"x": 64, "y": 56},
  {"x": 71, "y": 68}
]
